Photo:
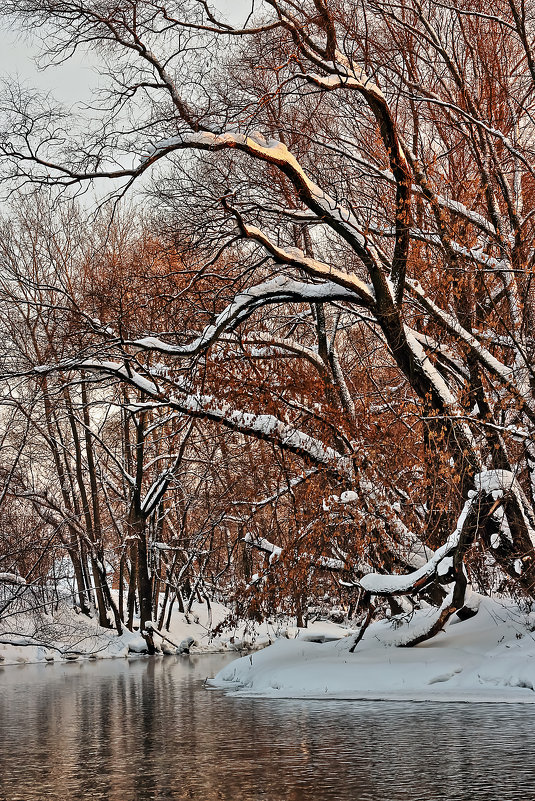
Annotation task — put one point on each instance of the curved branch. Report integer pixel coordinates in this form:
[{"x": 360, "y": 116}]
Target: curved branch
[{"x": 278, "y": 290}]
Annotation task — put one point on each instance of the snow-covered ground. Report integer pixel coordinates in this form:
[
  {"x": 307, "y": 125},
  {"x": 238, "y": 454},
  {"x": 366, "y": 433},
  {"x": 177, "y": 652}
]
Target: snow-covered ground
[
  {"x": 25, "y": 638},
  {"x": 490, "y": 657},
  {"x": 66, "y": 635}
]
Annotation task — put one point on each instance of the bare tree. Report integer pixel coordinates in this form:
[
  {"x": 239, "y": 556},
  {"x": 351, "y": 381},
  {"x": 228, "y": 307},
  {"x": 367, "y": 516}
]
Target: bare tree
[{"x": 372, "y": 164}]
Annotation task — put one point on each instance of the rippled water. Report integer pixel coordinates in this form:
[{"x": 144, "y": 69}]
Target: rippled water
[{"x": 147, "y": 729}]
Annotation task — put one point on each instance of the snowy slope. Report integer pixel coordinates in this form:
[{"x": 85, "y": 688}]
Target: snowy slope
[{"x": 490, "y": 657}]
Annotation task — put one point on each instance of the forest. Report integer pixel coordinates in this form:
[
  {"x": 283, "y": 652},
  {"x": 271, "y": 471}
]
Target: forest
[{"x": 267, "y": 314}]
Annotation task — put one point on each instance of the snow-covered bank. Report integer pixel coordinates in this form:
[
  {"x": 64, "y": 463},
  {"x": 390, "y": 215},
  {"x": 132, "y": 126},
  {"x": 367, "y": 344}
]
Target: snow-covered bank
[
  {"x": 26, "y": 638},
  {"x": 67, "y": 635},
  {"x": 490, "y": 657}
]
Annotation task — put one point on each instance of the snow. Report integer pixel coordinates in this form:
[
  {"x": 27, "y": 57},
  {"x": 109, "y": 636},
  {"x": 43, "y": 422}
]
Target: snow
[
  {"x": 117, "y": 369},
  {"x": 275, "y": 553},
  {"x": 490, "y": 657},
  {"x": 12, "y": 578},
  {"x": 244, "y": 304},
  {"x": 137, "y": 645},
  {"x": 377, "y": 583},
  {"x": 276, "y": 152},
  {"x": 313, "y": 267},
  {"x": 71, "y": 634},
  {"x": 504, "y": 373},
  {"x": 264, "y": 426},
  {"x": 495, "y": 540},
  {"x": 489, "y": 482},
  {"x": 265, "y": 545},
  {"x": 495, "y": 481},
  {"x": 444, "y": 566}
]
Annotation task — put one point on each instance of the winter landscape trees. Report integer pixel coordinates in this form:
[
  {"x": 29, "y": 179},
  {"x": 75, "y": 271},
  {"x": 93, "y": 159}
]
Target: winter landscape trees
[{"x": 307, "y": 367}]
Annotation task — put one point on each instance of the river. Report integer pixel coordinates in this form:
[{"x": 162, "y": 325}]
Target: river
[{"x": 148, "y": 729}]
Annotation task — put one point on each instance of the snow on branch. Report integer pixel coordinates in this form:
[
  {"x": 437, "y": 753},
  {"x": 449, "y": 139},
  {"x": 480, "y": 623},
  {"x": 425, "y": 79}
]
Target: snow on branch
[
  {"x": 262, "y": 544},
  {"x": 272, "y": 346},
  {"x": 275, "y": 552},
  {"x": 448, "y": 400},
  {"x": 275, "y": 152},
  {"x": 455, "y": 207},
  {"x": 495, "y": 483},
  {"x": 260, "y": 426},
  {"x": 499, "y": 482},
  {"x": 506, "y": 375},
  {"x": 313, "y": 267},
  {"x": 12, "y": 578},
  {"x": 277, "y": 290},
  {"x": 475, "y": 254},
  {"x": 266, "y": 427},
  {"x": 122, "y": 371},
  {"x": 155, "y": 492}
]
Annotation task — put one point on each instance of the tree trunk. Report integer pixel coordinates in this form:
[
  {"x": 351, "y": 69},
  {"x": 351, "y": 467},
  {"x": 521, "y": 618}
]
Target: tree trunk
[{"x": 144, "y": 584}]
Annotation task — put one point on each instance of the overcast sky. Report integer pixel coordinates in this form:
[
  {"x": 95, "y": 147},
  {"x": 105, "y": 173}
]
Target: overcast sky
[{"x": 72, "y": 82}]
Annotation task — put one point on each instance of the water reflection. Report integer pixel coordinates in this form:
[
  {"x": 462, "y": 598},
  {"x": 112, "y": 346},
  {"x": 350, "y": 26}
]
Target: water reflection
[{"x": 147, "y": 729}]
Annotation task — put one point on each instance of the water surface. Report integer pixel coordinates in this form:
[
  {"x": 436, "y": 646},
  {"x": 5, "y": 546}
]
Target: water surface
[{"x": 147, "y": 729}]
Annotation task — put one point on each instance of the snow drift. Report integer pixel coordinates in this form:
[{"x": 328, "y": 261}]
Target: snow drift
[{"x": 490, "y": 657}]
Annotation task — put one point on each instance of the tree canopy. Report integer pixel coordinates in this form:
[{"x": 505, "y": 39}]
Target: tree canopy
[{"x": 314, "y": 347}]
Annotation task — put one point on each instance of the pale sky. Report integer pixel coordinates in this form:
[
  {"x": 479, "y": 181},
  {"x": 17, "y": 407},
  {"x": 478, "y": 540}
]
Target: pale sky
[{"x": 72, "y": 82}]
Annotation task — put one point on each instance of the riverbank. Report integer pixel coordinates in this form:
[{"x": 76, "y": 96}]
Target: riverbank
[
  {"x": 65, "y": 635},
  {"x": 488, "y": 658}
]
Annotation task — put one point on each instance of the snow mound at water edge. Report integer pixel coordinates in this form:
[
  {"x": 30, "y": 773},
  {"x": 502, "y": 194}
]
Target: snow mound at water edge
[{"x": 490, "y": 657}]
